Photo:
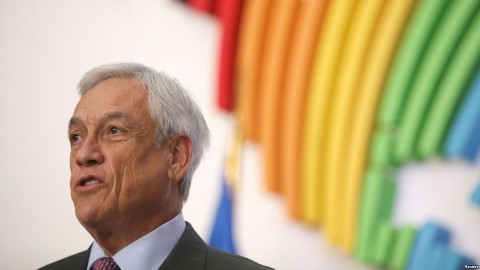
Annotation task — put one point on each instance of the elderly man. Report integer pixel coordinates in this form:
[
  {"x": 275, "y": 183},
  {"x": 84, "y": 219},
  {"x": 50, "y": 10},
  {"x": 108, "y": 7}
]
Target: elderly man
[{"x": 136, "y": 138}]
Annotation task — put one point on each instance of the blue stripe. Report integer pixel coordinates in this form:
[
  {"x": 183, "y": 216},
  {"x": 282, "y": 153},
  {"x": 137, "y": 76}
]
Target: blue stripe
[
  {"x": 222, "y": 232},
  {"x": 464, "y": 123}
]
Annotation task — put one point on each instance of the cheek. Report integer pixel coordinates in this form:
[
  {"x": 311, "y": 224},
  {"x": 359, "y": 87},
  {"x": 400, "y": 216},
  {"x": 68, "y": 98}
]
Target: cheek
[
  {"x": 73, "y": 170},
  {"x": 138, "y": 171},
  {"x": 130, "y": 174},
  {"x": 145, "y": 175},
  {"x": 72, "y": 160},
  {"x": 140, "y": 188},
  {"x": 148, "y": 162}
]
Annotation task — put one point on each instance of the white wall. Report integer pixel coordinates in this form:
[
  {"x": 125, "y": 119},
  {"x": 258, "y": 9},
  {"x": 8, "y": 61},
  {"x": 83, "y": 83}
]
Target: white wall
[{"x": 45, "y": 46}]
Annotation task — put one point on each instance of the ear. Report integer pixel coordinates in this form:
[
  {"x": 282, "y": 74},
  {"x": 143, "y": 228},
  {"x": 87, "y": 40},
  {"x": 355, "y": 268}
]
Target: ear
[{"x": 181, "y": 148}]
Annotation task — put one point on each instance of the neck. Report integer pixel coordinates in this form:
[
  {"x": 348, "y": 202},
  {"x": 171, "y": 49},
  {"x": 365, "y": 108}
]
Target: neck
[{"x": 114, "y": 237}]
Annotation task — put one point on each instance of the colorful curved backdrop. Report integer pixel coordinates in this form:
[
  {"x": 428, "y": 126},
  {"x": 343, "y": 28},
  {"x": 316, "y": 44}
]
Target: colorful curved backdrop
[{"x": 340, "y": 95}]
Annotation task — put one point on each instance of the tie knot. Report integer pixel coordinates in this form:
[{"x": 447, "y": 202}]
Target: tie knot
[{"x": 105, "y": 263}]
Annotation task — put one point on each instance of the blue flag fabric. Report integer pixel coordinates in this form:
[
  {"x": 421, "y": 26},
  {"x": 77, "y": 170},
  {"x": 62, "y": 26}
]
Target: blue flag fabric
[
  {"x": 476, "y": 196},
  {"x": 222, "y": 232},
  {"x": 464, "y": 124}
]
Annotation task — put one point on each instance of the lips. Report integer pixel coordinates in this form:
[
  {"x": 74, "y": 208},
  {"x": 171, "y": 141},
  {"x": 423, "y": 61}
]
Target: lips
[{"x": 88, "y": 182}]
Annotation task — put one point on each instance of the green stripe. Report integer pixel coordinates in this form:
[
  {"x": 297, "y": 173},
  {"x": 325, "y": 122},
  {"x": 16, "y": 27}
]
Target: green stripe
[
  {"x": 381, "y": 149},
  {"x": 377, "y": 201},
  {"x": 452, "y": 87},
  {"x": 403, "y": 247},
  {"x": 410, "y": 51},
  {"x": 412, "y": 45},
  {"x": 370, "y": 212},
  {"x": 434, "y": 64},
  {"x": 384, "y": 243}
]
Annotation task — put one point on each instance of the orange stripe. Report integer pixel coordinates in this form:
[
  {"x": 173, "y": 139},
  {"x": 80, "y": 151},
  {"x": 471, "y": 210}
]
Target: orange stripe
[
  {"x": 277, "y": 49},
  {"x": 252, "y": 33},
  {"x": 298, "y": 74}
]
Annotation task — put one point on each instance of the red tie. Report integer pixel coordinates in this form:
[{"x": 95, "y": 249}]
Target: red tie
[{"x": 105, "y": 263}]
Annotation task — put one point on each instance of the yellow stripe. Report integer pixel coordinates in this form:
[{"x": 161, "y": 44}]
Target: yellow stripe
[
  {"x": 317, "y": 116},
  {"x": 352, "y": 63},
  {"x": 252, "y": 31},
  {"x": 234, "y": 151},
  {"x": 394, "y": 18},
  {"x": 305, "y": 37}
]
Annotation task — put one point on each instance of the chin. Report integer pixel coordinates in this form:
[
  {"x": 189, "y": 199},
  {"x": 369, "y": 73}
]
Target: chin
[{"x": 87, "y": 216}]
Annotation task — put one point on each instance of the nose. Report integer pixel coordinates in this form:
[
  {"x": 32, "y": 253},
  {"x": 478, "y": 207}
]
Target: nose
[{"x": 89, "y": 153}]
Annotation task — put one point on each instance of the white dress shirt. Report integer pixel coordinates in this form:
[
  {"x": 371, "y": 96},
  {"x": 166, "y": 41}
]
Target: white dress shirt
[{"x": 147, "y": 252}]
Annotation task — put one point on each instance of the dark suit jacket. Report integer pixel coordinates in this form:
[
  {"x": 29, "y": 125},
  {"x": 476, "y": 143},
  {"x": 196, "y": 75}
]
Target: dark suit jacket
[{"x": 190, "y": 253}]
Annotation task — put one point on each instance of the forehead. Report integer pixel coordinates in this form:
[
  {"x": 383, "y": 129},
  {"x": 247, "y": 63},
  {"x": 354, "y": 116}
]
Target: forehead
[{"x": 127, "y": 95}]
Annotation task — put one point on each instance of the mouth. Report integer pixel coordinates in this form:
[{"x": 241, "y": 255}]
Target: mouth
[{"x": 88, "y": 182}]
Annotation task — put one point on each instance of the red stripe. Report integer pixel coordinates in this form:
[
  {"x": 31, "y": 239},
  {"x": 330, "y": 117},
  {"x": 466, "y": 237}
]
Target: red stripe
[
  {"x": 202, "y": 5},
  {"x": 230, "y": 16}
]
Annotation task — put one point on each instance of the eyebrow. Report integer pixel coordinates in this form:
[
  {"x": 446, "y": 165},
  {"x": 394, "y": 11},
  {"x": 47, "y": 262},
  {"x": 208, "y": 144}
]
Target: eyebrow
[
  {"x": 115, "y": 116},
  {"x": 74, "y": 121},
  {"x": 107, "y": 117}
]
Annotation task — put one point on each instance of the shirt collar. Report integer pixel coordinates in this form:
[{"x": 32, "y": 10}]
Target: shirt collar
[{"x": 147, "y": 252}]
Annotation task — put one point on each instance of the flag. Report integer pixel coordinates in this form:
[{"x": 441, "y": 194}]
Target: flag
[{"x": 222, "y": 235}]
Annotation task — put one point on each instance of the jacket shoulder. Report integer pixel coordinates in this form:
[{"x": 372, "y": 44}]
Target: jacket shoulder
[
  {"x": 192, "y": 253},
  {"x": 77, "y": 261},
  {"x": 217, "y": 259}
]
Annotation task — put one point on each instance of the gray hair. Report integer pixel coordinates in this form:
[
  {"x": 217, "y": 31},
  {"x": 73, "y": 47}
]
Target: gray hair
[{"x": 171, "y": 106}]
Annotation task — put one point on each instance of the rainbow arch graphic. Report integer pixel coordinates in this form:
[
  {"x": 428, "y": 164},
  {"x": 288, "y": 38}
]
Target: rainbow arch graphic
[{"x": 339, "y": 95}]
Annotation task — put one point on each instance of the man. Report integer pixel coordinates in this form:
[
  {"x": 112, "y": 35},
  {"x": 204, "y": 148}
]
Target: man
[{"x": 136, "y": 138}]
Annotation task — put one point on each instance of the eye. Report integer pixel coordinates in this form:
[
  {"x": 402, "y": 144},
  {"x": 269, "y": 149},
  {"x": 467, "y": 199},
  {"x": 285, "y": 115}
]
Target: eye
[
  {"x": 113, "y": 130},
  {"x": 74, "y": 138}
]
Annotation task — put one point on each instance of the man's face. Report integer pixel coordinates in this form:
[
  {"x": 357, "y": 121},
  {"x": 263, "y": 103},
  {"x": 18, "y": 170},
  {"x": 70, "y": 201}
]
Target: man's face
[{"x": 119, "y": 175}]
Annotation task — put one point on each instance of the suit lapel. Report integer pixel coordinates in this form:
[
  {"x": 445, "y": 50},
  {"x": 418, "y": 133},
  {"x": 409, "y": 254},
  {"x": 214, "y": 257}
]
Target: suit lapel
[
  {"x": 188, "y": 254},
  {"x": 79, "y": 261}
]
